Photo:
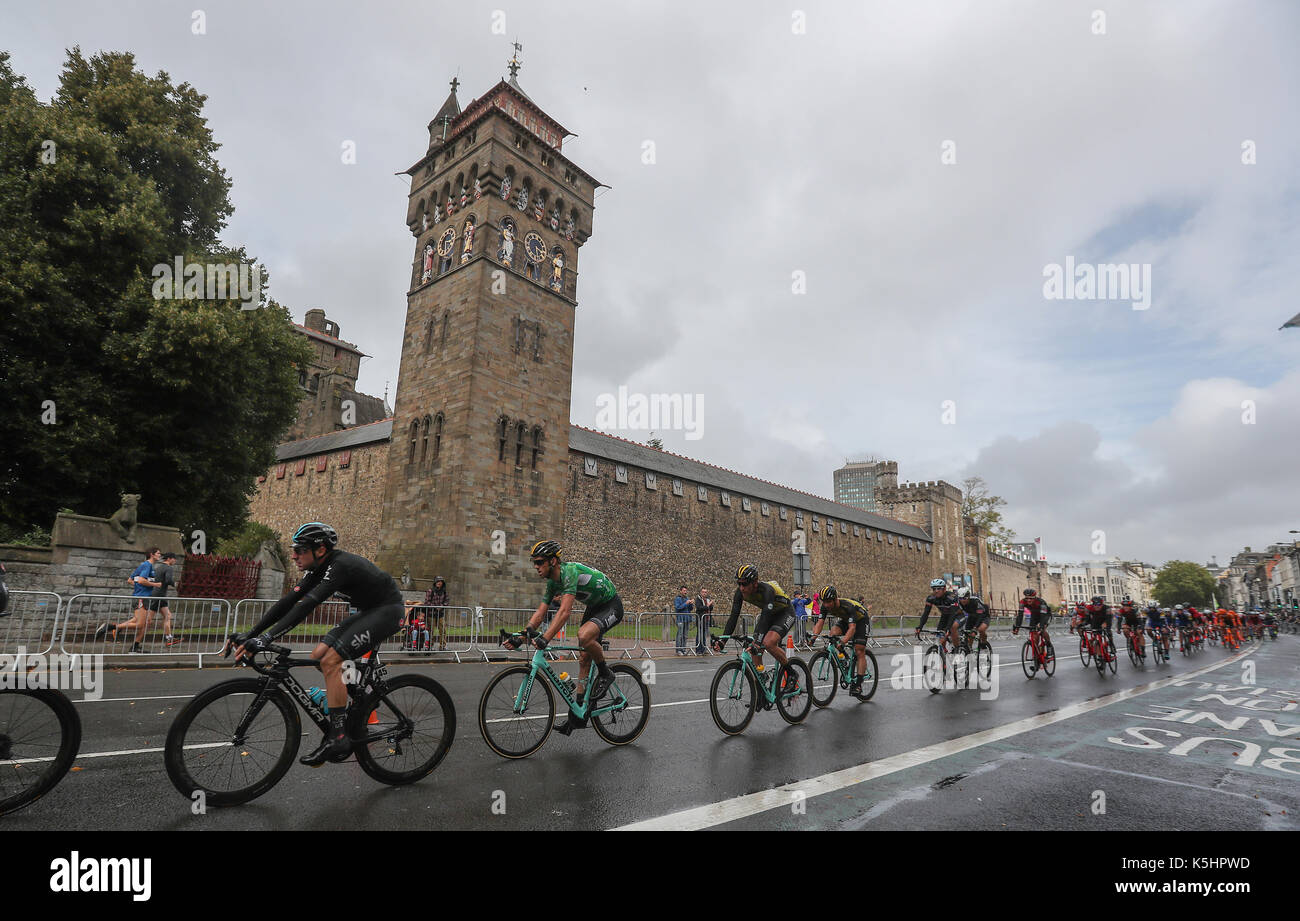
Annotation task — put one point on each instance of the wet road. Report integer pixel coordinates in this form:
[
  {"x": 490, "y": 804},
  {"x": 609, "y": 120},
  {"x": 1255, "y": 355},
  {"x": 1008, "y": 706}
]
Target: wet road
[{"x": 1206, "y": 742}]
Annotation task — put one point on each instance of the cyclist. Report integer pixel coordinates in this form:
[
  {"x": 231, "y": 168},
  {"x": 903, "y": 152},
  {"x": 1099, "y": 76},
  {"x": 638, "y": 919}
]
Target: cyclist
[
  {"x": 1098, "y": 615},
  {"x": 774, "y": 621},
  {"x": 367, "y": 588},
  {"x": 976, "y": 611},
  {"x": 1121, "y": 615},
  {"x": 1183, "y": 621},
  {"x": 852, "y": 625},
  {"x": 1155, "y": 623},
  {"x": 604, "y": 608},
  {"x": 1131, "y": 622},
  {"x": 945, "y": 599},
  {"x": 1037, "y": 609}
]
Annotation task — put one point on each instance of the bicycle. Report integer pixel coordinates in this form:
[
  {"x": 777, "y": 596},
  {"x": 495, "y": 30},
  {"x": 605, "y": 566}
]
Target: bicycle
[
  {"x": 1101, "y": 648},
  {"x": 1136, "y": 656},
  {"x": 512, "y": 731},
  {"x": 834, "y": 667},
  {"x": 1159, "y": 645},
  {"x": 983, "y": 654},
  {"x": 228, "y": 743},
  {"x": 1038, "y": 654},
  {"x": 739, "y": 680},
  {"x": 40, "y": 735}
]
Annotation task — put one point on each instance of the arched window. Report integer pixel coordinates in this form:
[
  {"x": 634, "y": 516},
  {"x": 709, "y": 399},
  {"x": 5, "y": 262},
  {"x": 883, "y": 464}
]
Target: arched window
[
  {"x": 424, "y": 443},
  {"x": 415, "y": 436},
  {"x": 437, "y": 435},
  {"x": 537, "y": 444},
  {"x": 502, "y": 424},
  {"x": 520, "y": 430}
]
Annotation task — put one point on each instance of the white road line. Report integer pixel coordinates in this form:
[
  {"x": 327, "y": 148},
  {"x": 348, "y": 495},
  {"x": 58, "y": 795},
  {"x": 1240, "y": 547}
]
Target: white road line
[
  {"x": 753, "y": 803},
  {"x": 111, "y": 700},
  {"x": 127, "y": 751}
]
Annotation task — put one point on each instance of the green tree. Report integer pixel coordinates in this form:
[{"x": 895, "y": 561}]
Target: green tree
[
  {"x": 656, "y": 443},
  {"x": 108, "y": 389},
  {"x": 1180, "y": 582},
  {"x": 982, "y": 507},
  {"x": 248, "y": 540}
]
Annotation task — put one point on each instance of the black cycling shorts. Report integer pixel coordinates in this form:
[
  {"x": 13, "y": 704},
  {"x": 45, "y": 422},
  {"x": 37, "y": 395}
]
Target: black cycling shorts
[
  {"x": 365, "y": 630},
  {"x": 860, "y": 635},
  {"x": 973, "y": 621},
  {"x": 947, "y": 616},
  {"x": 604, "y": 615},
  {"x": 780, "y": 620}
]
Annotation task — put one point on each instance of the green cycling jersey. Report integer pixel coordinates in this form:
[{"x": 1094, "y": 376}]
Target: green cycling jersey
[{"x": 590, "y": 586}]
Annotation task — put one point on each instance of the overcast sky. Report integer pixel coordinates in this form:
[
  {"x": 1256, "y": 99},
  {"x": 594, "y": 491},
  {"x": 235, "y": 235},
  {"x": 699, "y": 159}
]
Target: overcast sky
[{"x": 822, "y": 152}]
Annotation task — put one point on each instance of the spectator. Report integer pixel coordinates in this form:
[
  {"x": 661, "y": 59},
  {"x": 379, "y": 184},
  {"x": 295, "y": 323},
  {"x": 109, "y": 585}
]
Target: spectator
[
  {"x": 704, "y": 610},
  {"x": 417, "y": 633},
  {"x": 165, "y": 577},
  {"x": 800, "y": 603},
  {"x": 817, "y": 605},
  {"x": 438, "y": 601},
  {"x": 684, "y": 606}
]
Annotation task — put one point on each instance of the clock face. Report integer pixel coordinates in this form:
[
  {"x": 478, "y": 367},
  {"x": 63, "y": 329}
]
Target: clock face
[
  {"x": 535, "y": 247},
  {"x": 446, "y": 241}
]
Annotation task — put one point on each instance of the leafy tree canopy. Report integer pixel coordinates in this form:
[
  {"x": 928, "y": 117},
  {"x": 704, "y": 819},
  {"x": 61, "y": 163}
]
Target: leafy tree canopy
[{"x": 108, "y": 388}]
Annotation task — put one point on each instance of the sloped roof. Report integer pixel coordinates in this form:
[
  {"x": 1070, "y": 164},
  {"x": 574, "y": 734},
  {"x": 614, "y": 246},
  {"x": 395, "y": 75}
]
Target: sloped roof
[
  {"x": 620, "y": 450},
  {"x": 336, "y": 441}
]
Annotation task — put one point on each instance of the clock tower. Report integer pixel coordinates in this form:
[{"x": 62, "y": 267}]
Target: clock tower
[{"x": 479, "y": 451}]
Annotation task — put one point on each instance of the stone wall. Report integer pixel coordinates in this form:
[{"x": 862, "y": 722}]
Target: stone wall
[
  {"x": 349, "y": 498},
  {"x": 86, "y": 556},
  {"x": 652, "y": 541}
]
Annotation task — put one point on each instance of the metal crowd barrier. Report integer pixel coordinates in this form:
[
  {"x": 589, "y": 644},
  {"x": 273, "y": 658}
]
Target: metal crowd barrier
[
  {"x": 30, "y": 623},
  {"x": 447, "y": 629},
  {"x": 199, "y": 626}
]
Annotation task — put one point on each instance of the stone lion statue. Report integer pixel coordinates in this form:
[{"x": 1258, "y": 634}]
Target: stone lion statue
[{"x": 124, "y": 520}]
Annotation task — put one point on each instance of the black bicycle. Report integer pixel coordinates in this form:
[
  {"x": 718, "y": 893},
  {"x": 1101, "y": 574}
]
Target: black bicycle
[{"x": 236, "y": 740}]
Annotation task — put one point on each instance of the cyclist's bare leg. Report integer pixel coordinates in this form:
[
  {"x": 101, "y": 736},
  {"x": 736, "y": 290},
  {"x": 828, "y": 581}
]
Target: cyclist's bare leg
[
  {"x": 589, "y": 641},
  {"x": 331, "y": 666},
  {"x": 772, "y": 643}
]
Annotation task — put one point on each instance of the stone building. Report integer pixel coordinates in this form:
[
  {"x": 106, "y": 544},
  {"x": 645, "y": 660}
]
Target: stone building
[
  {"x": 480, "y": 458},
  {"x": 329, "y": 382}
]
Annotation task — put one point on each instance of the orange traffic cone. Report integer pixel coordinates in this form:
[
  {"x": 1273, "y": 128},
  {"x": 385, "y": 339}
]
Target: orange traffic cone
[
  {"x": 789, "y": 641},
  {"x": 374, "y": 718}
]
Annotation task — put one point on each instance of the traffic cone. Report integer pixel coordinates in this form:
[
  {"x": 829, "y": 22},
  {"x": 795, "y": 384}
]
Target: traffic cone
[{"x": 789, "y": 641}]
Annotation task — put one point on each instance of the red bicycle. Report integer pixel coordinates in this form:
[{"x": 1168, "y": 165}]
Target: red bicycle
[
  {"x": 1099, "y": 647},
  {"x": 1037, "y": 654}
]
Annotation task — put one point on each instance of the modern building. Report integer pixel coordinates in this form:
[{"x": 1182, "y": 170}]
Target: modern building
[{"x": 856, "y": 483}]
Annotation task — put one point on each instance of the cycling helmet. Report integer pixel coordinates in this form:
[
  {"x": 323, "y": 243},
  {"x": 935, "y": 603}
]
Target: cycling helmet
[
  {"x": 829, "y": 595},
  {"x": 1178, "y": 607},
  {"x": 938, "y": 583},
  {"x": 315, "y": 534},
  {"x": 746, "y": 574},
  {"x": 1030, "y": 593},
  {"x": 1097, "y": 599},
  {"x": 963, "y": 592},
  {"x": 1127, "y": 600},
  {"x": 544, "y": 550}
]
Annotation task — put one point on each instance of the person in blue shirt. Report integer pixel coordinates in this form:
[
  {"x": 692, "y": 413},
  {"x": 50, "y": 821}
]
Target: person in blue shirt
[
  {"x": 800, "y": 604},
  {"x": 142, "y": 586},
  {"x": 684, "y": 607}
]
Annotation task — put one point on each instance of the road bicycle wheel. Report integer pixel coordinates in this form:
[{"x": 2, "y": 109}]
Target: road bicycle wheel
[
  {"x": 1027, "y": 659},
  {"x": 1112, "y": 657},
  {"x": 415, "y": 729},
  {"x": 961, "y": 666},
  {"x": 1100, "y": 657},
  {"x": 731, "y": 697},
  {"x": 870, "y": 678},
  {"x": 1132, "y": 652},
  {"x": 934, "y": 666},
  {"x": 515, "y": 733},
  {"x": 40, "y": 734},
  {"x": 1183, "y": 646},
  {"x": 1085, "y": 655},
  {"x": 984, "y": 661},
  {"x": 825, "y": 677},
  {"x": 1049, "y": 658},
  {"x": 618, "y": 727},
  {"x": 204, "y": 753},
  {"x": 794, "y": 709}
]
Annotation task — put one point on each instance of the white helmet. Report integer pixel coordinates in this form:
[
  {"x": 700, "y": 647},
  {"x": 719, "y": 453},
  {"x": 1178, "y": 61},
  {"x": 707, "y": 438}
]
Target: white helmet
[{"x": 963, "y": 592}]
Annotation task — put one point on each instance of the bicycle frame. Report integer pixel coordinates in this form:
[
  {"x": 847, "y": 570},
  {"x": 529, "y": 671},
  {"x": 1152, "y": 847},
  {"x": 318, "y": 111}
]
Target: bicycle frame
[
  {"x": 769, "y": 692},
  {"x": 539, "y": 664},
  {"x": 277, "y": 675}
]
